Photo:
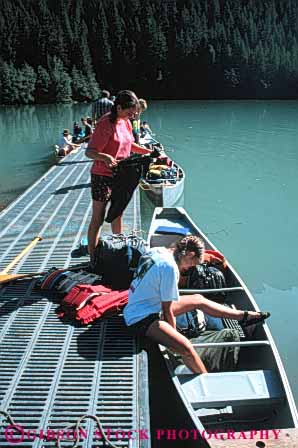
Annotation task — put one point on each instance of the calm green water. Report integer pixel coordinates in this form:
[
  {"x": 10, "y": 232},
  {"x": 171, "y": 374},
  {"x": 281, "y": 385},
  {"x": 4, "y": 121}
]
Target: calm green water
[{"x": 241, "y": 160}]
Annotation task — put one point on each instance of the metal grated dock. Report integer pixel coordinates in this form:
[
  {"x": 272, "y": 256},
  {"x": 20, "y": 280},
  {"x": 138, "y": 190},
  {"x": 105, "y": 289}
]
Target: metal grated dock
[{"x": 53, "y": 372}]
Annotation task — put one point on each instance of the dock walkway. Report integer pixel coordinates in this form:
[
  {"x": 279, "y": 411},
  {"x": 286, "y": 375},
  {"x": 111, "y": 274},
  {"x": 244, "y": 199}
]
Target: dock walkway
[{"x": 53, "y": 372}]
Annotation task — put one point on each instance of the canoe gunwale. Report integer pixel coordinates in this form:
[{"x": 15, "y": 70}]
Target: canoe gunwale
[{"x": 268, "y": 341}]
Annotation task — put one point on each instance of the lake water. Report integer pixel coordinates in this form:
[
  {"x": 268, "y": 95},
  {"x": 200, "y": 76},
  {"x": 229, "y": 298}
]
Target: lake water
[{"x": 241, "y": 163}]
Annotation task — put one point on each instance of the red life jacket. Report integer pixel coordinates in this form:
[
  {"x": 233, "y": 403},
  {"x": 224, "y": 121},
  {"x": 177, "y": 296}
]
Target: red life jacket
[
  {"x": 86, "y": 303},
  {"x": 214, "y": 257}
]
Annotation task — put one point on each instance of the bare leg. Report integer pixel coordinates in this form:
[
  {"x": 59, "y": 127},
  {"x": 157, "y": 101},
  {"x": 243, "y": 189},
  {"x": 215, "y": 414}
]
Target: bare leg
[
  {"x": 163, "y": 333},
  {"x": 98, "y": 212},
  {"x": 117, "y": 225},
  {"x": 196, "y": 301}
]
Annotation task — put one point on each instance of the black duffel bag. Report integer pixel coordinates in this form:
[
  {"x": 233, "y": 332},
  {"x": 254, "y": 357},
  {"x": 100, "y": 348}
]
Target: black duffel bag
[
  {"x": 116, "y": 258},
  {"x": 204, "y": 276}
]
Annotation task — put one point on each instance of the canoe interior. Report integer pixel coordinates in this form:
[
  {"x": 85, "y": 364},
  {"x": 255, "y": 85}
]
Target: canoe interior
[
  {"x": 259, "y": 359},
  {"x": 162, "y": 192}
]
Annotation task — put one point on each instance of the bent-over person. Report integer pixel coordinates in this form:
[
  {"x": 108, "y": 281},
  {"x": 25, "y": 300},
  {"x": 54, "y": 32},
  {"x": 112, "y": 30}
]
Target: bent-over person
[{"x": 154, "y": 302}]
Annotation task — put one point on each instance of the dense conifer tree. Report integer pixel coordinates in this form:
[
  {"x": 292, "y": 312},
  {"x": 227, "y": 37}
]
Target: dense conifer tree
[
  {"x": 80, "y": 91},
  {"x": 61, "y": 81},
  {"x": 185, "y": 48},
  {"x": 9, "y": 84},
  {"x": 26, "y": 84},
  {"x": 43, "y": 85}
]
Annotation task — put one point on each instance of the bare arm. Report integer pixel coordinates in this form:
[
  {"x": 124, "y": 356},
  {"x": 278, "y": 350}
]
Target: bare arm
[
  {"x": 83, "y": 139},
  {"x": 107, "y": 159},
  {"x": 139, "y": 149},
  {"x": 168, "y": 313}
]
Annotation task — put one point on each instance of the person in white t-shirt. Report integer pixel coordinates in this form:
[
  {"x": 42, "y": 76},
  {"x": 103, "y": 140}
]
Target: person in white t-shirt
[
  {"x": 153, "y": 300},
  {"x": 65, "y": 145}
]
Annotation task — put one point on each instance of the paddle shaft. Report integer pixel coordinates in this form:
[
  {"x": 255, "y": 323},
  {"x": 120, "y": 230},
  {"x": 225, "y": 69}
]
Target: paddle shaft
[
  {"x": 5, "y": 278},
  {"x": 210, "y": 291},
  {"x": 18, "y": 257}
]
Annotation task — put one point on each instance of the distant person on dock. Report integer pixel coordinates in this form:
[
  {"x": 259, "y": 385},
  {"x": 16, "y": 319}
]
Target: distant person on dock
[
  {"x": 88, "y": 130},
  {"x": 77, "y": 132},
  {"x": 136, "y": 121},
  {"x": 111, "y": 141},
  {"x": 154, "y": 302},
  {"x": 101, "y": 106},
  {"x": 65, "y": 144}
]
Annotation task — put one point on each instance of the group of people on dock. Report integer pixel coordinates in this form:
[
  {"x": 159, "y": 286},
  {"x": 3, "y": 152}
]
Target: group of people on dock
[
  {"x": 153, "y": 301},
  {"x": 81, "y": 134}
]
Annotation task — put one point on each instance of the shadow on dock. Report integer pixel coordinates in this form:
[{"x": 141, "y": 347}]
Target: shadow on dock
[
  {"x": 71, "y": 187},
  {"x": 73, "y": 162}
]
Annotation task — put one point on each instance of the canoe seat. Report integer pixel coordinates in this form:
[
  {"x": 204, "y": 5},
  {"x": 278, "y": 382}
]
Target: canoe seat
[
  {"x": 167, "y": 235},
  {"x": 164, "y": 240},
  {"x": 255, "y": 387}
]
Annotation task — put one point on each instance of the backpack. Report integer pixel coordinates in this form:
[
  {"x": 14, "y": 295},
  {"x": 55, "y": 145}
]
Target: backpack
[
  {"x": 204, "y": 276},
  {"x": 191, "y": 324},
  {"x": 116, "y": 258}
]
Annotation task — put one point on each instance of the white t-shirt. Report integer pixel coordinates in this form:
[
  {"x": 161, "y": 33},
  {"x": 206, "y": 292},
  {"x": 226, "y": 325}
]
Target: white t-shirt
[
  {"x": 64, "y": 141},
  {"x": 156, "y": 281}
]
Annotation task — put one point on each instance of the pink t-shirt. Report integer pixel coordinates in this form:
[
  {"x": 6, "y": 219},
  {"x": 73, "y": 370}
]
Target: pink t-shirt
[{"x": 111, "y": 138}]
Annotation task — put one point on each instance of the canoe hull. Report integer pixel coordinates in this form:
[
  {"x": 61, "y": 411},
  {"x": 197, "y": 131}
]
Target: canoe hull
[
  {"x": 164, "y": 194},
  {"x": 259, "y": 357}
]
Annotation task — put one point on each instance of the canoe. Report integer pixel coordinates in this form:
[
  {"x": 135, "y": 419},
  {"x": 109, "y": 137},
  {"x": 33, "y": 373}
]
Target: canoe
[
  {"x": 164, "y": 190},
  {"x": 148, "y": 139},
  {"x": 254, "y": 397}
]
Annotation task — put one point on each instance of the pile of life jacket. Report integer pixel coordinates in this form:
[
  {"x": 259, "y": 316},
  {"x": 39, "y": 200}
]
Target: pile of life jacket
[
  {"x": 86, "y": 296},
  {"x": 84, "y": 302}
]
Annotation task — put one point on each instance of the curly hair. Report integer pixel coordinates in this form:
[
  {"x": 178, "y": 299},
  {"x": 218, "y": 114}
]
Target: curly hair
[{"x": 190, "y": 243}]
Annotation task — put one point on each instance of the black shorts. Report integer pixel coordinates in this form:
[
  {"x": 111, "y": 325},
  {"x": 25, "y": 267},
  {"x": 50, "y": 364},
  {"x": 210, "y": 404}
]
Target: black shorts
[
  {"x": 101, "y": 187},
  {"x": 141, "y": 327}
]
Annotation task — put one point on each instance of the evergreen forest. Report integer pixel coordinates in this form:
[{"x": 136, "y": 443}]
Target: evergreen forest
[{"x": 55, "y": 51}]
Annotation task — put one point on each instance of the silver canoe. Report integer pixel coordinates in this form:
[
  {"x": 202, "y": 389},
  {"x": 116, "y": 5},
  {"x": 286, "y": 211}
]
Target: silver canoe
[
  {"x": 163, "y": 192},
  {"x": 254, "y": 397}
]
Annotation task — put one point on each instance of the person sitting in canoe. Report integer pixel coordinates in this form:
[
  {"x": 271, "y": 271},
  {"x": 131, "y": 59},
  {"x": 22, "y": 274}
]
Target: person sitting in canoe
[
  {"x": 154, "y": 301},
  {"x": 65, "y": 145}
]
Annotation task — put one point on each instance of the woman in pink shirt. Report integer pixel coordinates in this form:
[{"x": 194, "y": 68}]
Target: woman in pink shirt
[{"x": 111, "y": 141}]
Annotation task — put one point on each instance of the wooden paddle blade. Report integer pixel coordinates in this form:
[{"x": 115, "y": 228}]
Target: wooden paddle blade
[{"x": 6, "y": 278}]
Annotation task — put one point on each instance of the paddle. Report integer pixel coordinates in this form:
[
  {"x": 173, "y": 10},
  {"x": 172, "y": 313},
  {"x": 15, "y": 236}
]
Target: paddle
[{"x": 4, "y": 276}]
